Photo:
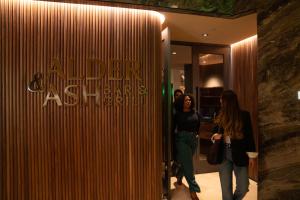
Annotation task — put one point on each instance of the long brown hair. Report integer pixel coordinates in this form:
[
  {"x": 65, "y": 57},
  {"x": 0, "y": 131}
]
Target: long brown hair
[{"x": 230, "y": 115}]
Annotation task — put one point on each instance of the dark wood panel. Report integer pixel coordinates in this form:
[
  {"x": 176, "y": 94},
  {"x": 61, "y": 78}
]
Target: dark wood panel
[{"x": 82, "y": 151}]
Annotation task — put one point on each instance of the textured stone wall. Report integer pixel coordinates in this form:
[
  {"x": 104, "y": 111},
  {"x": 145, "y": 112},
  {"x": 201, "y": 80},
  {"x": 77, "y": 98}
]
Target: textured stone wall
[{"x": 278, "y": 106}]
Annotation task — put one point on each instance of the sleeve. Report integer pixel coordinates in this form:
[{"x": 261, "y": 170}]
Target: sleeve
[
  {"x": 198, "y": 123},
  {"x": 249, "y": 133},
  {"x": 252, "y": 154},
  {"x": 215, "y": 129}
]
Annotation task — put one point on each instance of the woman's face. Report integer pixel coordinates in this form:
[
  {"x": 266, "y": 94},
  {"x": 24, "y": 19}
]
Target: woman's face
[
  {"x": 177, "y": 94},
  {"x": 187, "y": 102}
]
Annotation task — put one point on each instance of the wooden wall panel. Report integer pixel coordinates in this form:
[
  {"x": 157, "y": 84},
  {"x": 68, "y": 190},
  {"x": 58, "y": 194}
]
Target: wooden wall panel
[
  {"x": 85, "y": 151},
  {"x": 244, "y": 83}
]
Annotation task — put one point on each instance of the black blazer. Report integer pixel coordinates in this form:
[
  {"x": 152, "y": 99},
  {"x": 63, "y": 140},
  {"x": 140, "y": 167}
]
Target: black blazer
[{"x": 240, "y": 147}]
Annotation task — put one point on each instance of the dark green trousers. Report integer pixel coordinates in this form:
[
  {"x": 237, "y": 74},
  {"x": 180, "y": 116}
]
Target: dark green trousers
[{"x": 186, "y": 144}]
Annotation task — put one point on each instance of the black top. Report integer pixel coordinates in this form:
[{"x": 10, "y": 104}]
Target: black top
[
  {"x": 241, "y": 146},
  {"x": 187, "y": 121}
]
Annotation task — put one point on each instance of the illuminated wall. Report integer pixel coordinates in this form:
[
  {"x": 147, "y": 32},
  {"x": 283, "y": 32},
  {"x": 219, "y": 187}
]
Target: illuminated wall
[{"x": 80, "y": 102}]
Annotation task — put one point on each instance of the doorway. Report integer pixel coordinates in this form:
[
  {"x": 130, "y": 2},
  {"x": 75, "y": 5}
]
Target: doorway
[
  {"x": 201, "y": 65},
  {"x": 200, "y": 70}
]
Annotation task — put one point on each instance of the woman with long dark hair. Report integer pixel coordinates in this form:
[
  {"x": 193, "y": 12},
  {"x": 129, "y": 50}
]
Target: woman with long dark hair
[
  {"x": 234, "y": 129},
  {"x": 187, "y": 122}
]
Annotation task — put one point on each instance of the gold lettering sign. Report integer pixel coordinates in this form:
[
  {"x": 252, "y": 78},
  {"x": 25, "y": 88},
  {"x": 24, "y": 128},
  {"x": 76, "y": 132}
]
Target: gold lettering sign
[
  {"x": 95, "y": 64},
  {"x": 85, "y": 94},
  {"x": 55, "y": 97},
  {"x": 71, "y": 71},
  {"x": 95, "y": 71},
  {"x": 36, "y": 84},
  {"x": 72, "y": 95},
  {"x": 56, "y": 68}
]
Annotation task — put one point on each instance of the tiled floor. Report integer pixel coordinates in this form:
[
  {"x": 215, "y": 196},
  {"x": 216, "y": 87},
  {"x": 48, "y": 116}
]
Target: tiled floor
[{"x": 210, "y": 188}]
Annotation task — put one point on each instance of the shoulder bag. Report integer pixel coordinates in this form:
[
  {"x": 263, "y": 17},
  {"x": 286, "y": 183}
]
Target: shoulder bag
[{"x": 214, "y": 155}]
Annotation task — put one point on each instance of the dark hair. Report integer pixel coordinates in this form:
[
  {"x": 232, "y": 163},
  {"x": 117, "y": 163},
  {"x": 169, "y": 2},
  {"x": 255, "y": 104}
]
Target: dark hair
[
  {"x": 178, "y": 90},
  {"x": 230, "y": 115},
  {"x": 180, "y": 101}
]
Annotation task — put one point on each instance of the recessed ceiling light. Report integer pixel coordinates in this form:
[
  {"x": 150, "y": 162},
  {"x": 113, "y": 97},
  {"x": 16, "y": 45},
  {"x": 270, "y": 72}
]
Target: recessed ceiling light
[
  {"x": 204, "y": 34},
  {"x": 174, "y": 53}
]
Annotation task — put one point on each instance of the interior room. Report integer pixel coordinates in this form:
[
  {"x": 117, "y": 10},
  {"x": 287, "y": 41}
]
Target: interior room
[{"x": 210, "y": 45}]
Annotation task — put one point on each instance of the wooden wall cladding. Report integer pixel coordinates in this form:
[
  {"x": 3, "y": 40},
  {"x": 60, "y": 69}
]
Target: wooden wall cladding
[
  {"x": 244, "y": 82},
  {"x": 87, "y": 148}
]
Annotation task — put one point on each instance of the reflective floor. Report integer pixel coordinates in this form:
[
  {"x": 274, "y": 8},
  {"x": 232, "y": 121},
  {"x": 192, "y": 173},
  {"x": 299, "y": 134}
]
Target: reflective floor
[{"x": 210, "y": 188}]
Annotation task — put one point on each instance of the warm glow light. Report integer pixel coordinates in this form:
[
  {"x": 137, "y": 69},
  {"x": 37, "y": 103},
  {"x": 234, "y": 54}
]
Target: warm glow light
[
  {"x": 161, "y": 16},
  {"x": 298, "y": 95},
  {"x": 245, "y": 40},
  {"x": 214, "y": 82},
  {"x": 97, "y": 7}
]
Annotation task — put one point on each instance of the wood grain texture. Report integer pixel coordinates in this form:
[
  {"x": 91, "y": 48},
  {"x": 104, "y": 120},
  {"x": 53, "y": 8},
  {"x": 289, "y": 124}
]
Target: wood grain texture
[
  {"x": 244, "y": 82},
  {"x": 86, "y": 151}
]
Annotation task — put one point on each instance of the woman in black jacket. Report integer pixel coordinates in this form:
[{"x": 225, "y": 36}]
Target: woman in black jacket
[{"x": 235, "y": 131}]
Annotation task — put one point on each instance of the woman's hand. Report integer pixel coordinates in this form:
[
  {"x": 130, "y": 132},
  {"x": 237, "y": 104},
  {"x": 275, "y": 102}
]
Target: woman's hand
[
  {"x": 251, "y": 163},
  {"x": 216, "y": 136}
]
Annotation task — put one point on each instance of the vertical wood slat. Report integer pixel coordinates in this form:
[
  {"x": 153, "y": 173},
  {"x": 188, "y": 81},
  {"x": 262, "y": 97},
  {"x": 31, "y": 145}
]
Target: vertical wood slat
[
  {"x": 244, "y": 65},
  {"x": 85, "y": 151}
]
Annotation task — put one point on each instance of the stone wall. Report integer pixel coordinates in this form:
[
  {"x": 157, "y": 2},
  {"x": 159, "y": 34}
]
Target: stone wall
[{"x": 278, "y": 105}]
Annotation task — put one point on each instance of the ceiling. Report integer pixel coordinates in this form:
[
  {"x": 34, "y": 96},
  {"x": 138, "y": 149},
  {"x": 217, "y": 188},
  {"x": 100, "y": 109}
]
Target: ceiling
[
  {"x": 224, "y": 9},
  {"x": 190, "y": 28}
]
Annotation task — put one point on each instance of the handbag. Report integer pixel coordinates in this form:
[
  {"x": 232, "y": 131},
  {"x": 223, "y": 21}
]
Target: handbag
[{"x": 214, "y": 155}]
